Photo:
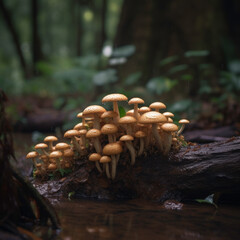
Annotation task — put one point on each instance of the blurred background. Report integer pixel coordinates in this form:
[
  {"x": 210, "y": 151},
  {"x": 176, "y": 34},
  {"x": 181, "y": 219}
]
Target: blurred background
[{"x": 57, "y": 57}]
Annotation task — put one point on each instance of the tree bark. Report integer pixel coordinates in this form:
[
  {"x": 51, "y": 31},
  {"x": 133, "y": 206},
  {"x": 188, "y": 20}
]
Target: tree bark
[{"x": 15, "y": 37}]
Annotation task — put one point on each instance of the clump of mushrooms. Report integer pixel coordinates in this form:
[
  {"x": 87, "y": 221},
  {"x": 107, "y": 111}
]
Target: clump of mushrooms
[{"x": 102, "y": 136}]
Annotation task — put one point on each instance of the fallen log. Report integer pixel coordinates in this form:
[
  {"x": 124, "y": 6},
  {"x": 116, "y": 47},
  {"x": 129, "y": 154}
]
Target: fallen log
[{"x": 194, "y": 172}]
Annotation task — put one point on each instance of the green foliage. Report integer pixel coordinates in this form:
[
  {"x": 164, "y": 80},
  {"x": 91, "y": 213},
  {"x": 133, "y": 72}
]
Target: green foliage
[
  {"x": 208, "y": 200},
  {"x": 122, "y": 111}
]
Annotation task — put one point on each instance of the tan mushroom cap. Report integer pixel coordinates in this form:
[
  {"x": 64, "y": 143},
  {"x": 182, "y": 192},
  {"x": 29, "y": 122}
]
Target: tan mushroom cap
[
  {"x": 169, "y": 127},
  {"x": 144, "y": 109},
  {"x": 93, "y": 109},
  {"x": 71, "y": 133},
  {"x": 170, "y": 120},
  {"x": 112, "y": 149},
  {"x": 126, "y": 138},
  {"x": 41, "y": 146},
  {"x": 55, "y": 154},
  {"x": 38, "y": 165},
  {"x": 52, "y": 166},
  {"x": 184, "y": 121},
  {"x": 127, "y": 119},
  {"x": 50, "y": 139},
  {"x": 68, "y": 153},
  {"x": 114, "y": 97},
  {"x": 174, "y": 139},
  {"x": 130, "y": 113},
  {"x": 82, "y": 132},
  {"x": 32, "y": 154},
  {"x": 105, "y": 159},
  {"x": 109, "y": 128},
  {"x": 136, "y": 100},
  {"x": 92, "y": 133},
  {"x": 140, "y": 134},
  {"x": 79, "y": 126},
  {"x": 80, "y": 115},
  {"x": 157, "y": 105},
  {"x": 62, "y": 146},
  {"x": 109, "y": 114},
  {"x": 94, "y": 157},
  {"x": 168, "y": 114},
  {"x": 152, "y": 117}
]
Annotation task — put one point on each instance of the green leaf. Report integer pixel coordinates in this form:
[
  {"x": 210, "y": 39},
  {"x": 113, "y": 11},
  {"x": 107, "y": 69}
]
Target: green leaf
[
  {"x": 124, "y": 51},
  {"x": 178, "y": 68},
  {"x": 70, "y": 195},
  {"x": 122, "y": 111},
  {"x": 133, "y": 78},
  {"x": 105, "y": 77},
  {"x": 209, "y": 200},
  {"x": 197, "y": 53},
  {"x": 168, "y": 60}
]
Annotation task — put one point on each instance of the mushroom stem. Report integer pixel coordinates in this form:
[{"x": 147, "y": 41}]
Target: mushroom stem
[
  {"x": 45, "y": 152},
  {"x": 141, "y": 147},
  {"x": 115, "y": 109},
  {"x": 114, "y": 166},
  {"x": 107, "y": 170},
  {"x": 156, "y": 135},
  {"x": 97, "y": 145},
  {"x": 136, "y": 111},
  {"x": 76, "y": 144},
  {"x": 98, "y": 166},
  {"x": 167, "y": 137},
  {"x": 96, "y": 122},
  {"x": 132, "y": 151},
  {"x": 181, "y": 129}
]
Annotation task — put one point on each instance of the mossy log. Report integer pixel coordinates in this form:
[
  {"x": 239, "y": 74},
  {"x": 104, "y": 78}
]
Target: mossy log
[{"x": 194, "y": 172}]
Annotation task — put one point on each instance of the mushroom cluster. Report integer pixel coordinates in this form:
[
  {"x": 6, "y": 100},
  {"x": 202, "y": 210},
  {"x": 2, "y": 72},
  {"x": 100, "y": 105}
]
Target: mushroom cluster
[{"x": 103, "y": 136}]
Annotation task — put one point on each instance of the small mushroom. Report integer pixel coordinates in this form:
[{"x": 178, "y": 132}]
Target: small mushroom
[
  {"x": 95, "y": 157},
  {"x": 50, "y": 140},
  {"x": 135, "y": 101},
  {"x": 183, "y": 122},
  {"x": 168, "y": 115},
  {"x": 42, "y": 147},
  {"x": 56, "y": 155},
  {"x": 157, "y": 106},
  {"x": 72, "y": 134},
  {"x": 141, "y": 135},
  {"x": 80, "y": 115},
  {"x": 105, "y": 160},
  {"x": 33, "y": 155},
  {"x": 127, "y": 121},
  {"x": 144, "y": 109},
  {"x": 110, "y": 130},
  {"x": 109, "y": 116},
  {"x": 128, "y": 141},
  {"x": 95, "y": 134},
  {"x": 61, "y": 147}
]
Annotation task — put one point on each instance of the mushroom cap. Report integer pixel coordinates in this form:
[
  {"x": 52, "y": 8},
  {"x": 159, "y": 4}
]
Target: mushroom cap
[
  {"x": 80, "y": 115},
  {"x": 79, "y": 126},
  {"x": 127, "y": 119},
  {"x": 41, "y": 146},
  {"x": 170, "y": 120},
  {"x": 109, "y": 114},
  {"x": 50, "y": 139},
  {"x": 169, "y": 127},
  {"x": 32, "y": 154},
  {"x": 157, "y": 105},
  {"x": 168, "y": 114},
  {"x": 184, "y": 121},
  {"x": 144, "y": 109},
  {"x": 126, "y": 138},
  {"x": 94, "y": 157},
  {"x": 131, "y": 113},
  {"x": 93, "y": 109},
  {"x": 38, "y": 165},
  {"x": 62, "y": 146},
  {"x": 52, "y": 166},
  {"x": 68, "y": 153},
  {"x": 55, "y": 154},
  {"x": 71, "y": 133},
  {"x": 140, "y": 134},
  {"x": 114, "y": 97},
  {"x": 109, "y": 128},
  {"x": 82, "y": 132},
  {"x": 174, "y": 139},
  {"x": 112, "y": 149},
  {"x": 92, "y": 133},
  {"x": 136, "y": 100},
  {"x": 105, "y": 159},
  {"x": 152, "y": 117}
]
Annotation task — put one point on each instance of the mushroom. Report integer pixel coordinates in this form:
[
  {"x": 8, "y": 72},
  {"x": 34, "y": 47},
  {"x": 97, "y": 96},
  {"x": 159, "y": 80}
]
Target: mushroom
[
  {"x": 83, "y": 133},
  {"x": 115, "y": 98},
  {"x": 153, "y": 118},
  {"x": 144, "y": 109},
  {"x": 168, "y": 115},
  {"x": 95, "y": 157},
  {"x": 105, "y": 160},
  {"x": 95, "y": 134},
  {"x": 50, "y": 140},
  {"x": 80, "y": 115},
  {"x": 110, "y": 130},
  {"x": 108, "y": 116},
  {"x": 126, "y": 121},
  {"x": 135, "y": 101},
  {"x": 61, "y": 147},
  {"x": 33, "y": 155},
  {"x": 141, "y": 135},
  {"x": 168, "y": 129},
  {"x": 56, "y": 155},
  {"x": 183, "y": 122},
  {"x": 73, "y": 134},
  {"x": 113, "y": 149},
  {"x": 68, "y": 155},
  {"x": 42, "y": 146},
  {"x": 94, "y": 111},
  {"x": 52, "y": 167},
  {"x": 157, "y": 106},
  {"x": 128, "y": 141}
]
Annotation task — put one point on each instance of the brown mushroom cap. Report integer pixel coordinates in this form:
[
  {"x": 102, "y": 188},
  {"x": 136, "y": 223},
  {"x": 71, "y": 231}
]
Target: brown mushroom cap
[
  {"x": 168, "y": 114},
  {"x": 130, "y": 113},
  {"x": 127, "y": 119},
  {"x": 68, "y": 153},
  {"x": 32, "y": 154},
  {"x": 144, "y": 109},
  {"x": 52, "y": 166},
  {"x": 157, "y": 105},
  {"x": 170, "y": 120},
  {"x": 80, "y": 115},
  {"x": 50, "y": 139},
  {"x": 114, "y": 97},
  {"x": 169, "y": 127},
  {"x": 41, "y": 146},
  {"x": 82, "y": 132},
  {"x": 62, "y": 146},
  {"x": 71, "y": 133},
  {"x": 152, "y": 117},
  {"x": 94, "y": 157},
  {"x": 126, "y": 138},
  {"x": 136, "y": 100},
  {"x": 109, "y": 114},
  {"x": 79, "y": 126},
  {"x": 93, "y": 109},
  {"x": 105, "y": 159},
  {"x": 112, "y": 149},
  {"x": 92, "y": 133},
  {"x": 140, "y": 134},
  {"x": 109, "y": 128},
  {"x": 55, "y": 154},
  {"x": 183, "y": 121}
]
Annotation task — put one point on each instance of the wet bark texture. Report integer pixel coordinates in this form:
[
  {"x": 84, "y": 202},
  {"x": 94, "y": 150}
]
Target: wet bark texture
[{"x": 194, "y": 172}]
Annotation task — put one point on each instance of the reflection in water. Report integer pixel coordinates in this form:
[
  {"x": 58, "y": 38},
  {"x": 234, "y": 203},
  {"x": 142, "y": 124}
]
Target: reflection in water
[{"x": 82, "y": 219}]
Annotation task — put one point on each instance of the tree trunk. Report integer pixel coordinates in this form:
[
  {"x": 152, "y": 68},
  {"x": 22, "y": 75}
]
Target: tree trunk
[
  {"x": 15, "y": 37},
  {"x": 193, "y": 172}
]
